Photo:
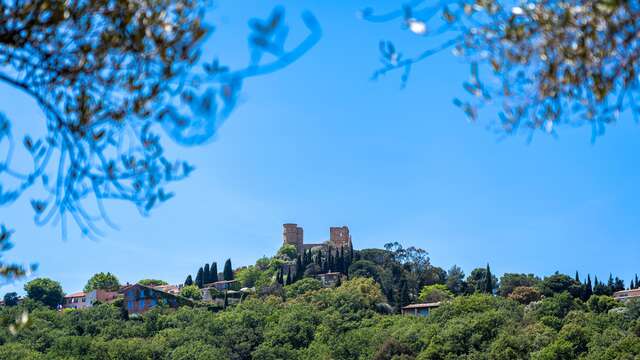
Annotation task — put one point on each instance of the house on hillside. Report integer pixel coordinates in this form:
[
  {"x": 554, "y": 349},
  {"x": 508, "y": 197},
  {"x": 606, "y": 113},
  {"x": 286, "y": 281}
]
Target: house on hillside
[
  {"x": 624, "y": 295},
  {"x": 171, "y": 289},
  {"x": 81, "y": 300},
  {"x": 329, "y": 279},
  {"x": 223, "y": 285},
  {"x": 422, "y": 309},
  {"x": 140, "y": 298},
  {"x": 76, "y": 300}
]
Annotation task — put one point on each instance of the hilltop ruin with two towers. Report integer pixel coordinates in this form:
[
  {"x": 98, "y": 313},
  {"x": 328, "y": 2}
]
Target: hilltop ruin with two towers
[{"x": 339, "y": 237}]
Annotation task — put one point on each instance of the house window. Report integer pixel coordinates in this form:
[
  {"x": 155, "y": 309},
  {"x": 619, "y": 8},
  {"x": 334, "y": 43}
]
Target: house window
[
  {"x": 141, "y": 303},
  {"x": 153, "y": 302},
  {"x": 130, "y": 305}
]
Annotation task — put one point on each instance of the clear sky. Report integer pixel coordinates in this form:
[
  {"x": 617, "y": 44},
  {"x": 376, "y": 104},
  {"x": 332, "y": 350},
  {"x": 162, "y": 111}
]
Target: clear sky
[{"x": 321, "y": 145}]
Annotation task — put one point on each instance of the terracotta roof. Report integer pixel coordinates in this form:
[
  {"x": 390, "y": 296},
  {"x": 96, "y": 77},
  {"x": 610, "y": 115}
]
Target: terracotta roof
[
  {"x": 422, "y": 306},
  {"x": 74, "y": 295}
]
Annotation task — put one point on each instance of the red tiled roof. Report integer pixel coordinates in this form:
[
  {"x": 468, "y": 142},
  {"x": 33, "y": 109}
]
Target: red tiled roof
[
  {"x": 75, "y": 295},
  {"x": 422, "y": 306}
]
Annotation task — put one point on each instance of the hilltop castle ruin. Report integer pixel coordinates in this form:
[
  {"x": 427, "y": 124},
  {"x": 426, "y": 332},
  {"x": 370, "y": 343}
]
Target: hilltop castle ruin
[{"x": 339, "y": 237}]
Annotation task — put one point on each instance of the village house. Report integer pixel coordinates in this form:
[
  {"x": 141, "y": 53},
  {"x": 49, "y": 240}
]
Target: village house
[
  {"x": 329, "y": 279},
  {"x": 139, "y": 298},
  {"x": 171, "y": 289},
  {"x": 223, "y": 285},
  {"x": 624, "y": 295},
  {"x": 422, "y": 309},
  {"x": 81, "y": 300},
  {"x": 76, "y": 300}
]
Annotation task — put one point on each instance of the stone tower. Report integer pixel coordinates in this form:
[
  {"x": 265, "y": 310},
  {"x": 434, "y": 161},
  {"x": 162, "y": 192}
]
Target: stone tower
[
  {"x": 292, "y": 234},
  {"x": 339, "y": 237}
]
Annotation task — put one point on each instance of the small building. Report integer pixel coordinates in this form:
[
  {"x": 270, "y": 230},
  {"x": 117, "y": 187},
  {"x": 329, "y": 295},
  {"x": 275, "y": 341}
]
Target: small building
[
  {"x": 81, "y": 300},
  {"x": 140, "y": 298},
  {"x": 76, "y": 300},
  {"x": 624, "y": 295},
  {"x": 329, "y": 279},
  {"x": 101, "y": 296},
  {"x": 223, "y": 285},
  {"x": 171, "y": 289},
  {"x": 422, "y": 309}
]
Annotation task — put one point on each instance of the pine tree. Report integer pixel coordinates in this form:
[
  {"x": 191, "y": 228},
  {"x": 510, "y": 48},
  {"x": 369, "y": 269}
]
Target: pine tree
[
  {"x": 188, "y": 281},
  {"x": 200, "y": 278},
  {"x": 213, "y": 272},
  {"x": 588, "y": 288},
  {"x": 289, "y": 276},
  {"x": 488, "y": 281},
  {"x": 227, "y": 273},
  {"x": 206, "y": 275}
]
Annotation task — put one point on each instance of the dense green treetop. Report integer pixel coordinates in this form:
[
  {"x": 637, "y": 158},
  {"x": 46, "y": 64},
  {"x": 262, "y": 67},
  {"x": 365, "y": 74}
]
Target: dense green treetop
[
  {"x": 46, "y": 291},
  {"x": 152, "y": 282},
  {"x": 102, "y": 281}
]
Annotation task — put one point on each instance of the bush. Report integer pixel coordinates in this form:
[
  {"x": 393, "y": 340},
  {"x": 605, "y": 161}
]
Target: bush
[
  {"x": 435, "y": 293},
  {"x": 191, "y": 292},
  {"x": 602, "y": 303},
  {"x": 302, "y": 286},
  {"x": 525, "y": 294}
]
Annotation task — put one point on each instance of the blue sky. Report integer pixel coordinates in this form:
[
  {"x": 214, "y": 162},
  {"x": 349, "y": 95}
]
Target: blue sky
[{"x": 322, "y": 145}]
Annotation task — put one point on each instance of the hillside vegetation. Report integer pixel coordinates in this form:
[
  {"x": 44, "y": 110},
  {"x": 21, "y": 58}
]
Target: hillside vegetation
[{"x": 519, "y": 317}]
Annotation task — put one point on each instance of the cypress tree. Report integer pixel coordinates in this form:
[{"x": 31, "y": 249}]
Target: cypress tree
[
  {"x": 404, "y": 295},
  {"x": 339, "y": 281},
  {"x": 340, "y": 265},
  {"x": 299, "y": 269},
  {"x": 289, "y": 276},
  {"x": 577, "y": 277},
  {"x": 226, "y": 300},
  {"x": 350, "y": 252},
  {"x": 631, "y": 285},
  {"x": 206, "y": 275},
  {"x": 213, "y": 271},
  {"x": 331, "y": 265},
  {"x": 227, "y": 273},
  {"x": 618, "y": 284},
  {"x": 611, "y": 284},
  {"x": 488, "y": 281},
  {"x": 637, "y": 284},
  {"x": 588, "y": 288},
  {"x": 200, "y": 278},
  {"x": 188, "y": 281},
  {"x": 279, "y": 278}
]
